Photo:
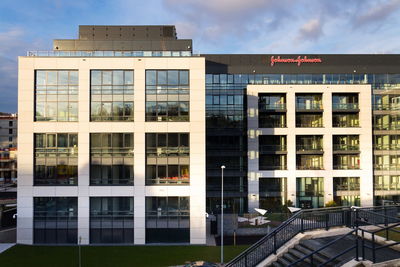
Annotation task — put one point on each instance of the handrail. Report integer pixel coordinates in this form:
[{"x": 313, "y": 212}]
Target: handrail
[
  {"x": 322, "y": 248},
  {"x": 270, "y": 243},
  {"x": 300, "y": 222}
]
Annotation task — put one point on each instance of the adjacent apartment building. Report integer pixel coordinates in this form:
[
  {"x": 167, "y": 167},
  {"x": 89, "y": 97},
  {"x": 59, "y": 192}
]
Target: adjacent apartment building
[
  {"x": 8, "y": 155},
  {"x": 122, "y": 134}
]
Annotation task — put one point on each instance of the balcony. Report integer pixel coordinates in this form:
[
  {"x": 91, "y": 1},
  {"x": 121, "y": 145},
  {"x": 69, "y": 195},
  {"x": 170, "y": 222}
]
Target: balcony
[
  {"x": 309, "y": 149},
  {"x": 346, "y": 107},
  {"x": 386, "y": 167},
  {"x": 309, "y": 120},
  {"x": 346, "y": 187},
  {"x": 272, "y": 167},
  {"x": 346, "y": 167},
  {"x": 309, "y": 106},
  {"x": 272, "y": 121},
  {"x": 387, "y": 126},
  {"x": 345, "y": 120},
  {"x": 268, "y": 149},
  {"x": 309, "y": 167},
  {"x": 278, "y": 107},
  {"x": 387, "y": 146},
  {"x": 344, "y": 148}
]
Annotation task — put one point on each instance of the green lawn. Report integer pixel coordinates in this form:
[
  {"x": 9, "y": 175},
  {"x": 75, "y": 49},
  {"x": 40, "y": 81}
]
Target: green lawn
[
  {"x": 392, "y": 235},
  {"x": 119, "y": 256}
]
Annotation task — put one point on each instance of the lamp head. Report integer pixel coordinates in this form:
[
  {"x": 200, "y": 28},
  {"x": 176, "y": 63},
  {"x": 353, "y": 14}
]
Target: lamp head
[{"x": 223, "y": 167}]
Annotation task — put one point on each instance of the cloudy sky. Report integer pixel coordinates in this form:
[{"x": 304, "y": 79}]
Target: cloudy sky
[{"x": 216, "y": 26}]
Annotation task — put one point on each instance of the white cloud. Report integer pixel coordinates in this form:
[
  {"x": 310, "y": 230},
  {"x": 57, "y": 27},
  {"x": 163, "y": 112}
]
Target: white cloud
[
  {"x": 311, "y": 30},
  {"x": 377, "y": 13}
]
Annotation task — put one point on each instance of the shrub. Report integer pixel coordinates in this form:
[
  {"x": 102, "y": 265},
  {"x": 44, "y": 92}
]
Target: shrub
[{"x": 330, "y": 204}]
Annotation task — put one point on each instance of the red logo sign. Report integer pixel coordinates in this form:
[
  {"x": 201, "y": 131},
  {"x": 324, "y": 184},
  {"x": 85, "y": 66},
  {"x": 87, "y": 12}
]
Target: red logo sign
[{"x": 299, "y": 60}]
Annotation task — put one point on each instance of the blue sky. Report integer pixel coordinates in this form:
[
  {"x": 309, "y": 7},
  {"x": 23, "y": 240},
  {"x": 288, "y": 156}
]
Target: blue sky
[{"x": 216, "y": 26}]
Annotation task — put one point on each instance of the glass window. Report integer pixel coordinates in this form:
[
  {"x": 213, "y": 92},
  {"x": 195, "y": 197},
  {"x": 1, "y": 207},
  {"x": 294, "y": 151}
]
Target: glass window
[
  {"x": 184, "y": 77},
  {"x": 162, "y": 77},
  {"x": 111, "y": 220},
  {"x": 174, "y": 147},
  {"x": 165, "y": 83},
  {"x": 55, "y": 220},
  {"x": 167, "y": 219},
  {"x": 56, "y": 160},
  {"x": 111, "y": 156},
  {"x": 116, "y": 90},
  {"x": 173, "y": 77},
  {"x": 55, "y": 93}
]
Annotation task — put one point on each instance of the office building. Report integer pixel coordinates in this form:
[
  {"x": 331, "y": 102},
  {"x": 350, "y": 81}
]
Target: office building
[{"x": 123, "y": 132}]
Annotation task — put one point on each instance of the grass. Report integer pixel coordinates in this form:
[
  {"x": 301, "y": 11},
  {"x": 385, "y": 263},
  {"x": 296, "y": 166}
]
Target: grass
[
  {"x": 392, "y": 235},
  {"x": 104, "y": 256}
]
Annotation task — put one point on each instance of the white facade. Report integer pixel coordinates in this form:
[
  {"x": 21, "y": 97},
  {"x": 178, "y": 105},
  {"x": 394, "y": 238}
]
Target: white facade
[
  {"x": 83, "y": 191},
  {"x": 327, "y": 131}
]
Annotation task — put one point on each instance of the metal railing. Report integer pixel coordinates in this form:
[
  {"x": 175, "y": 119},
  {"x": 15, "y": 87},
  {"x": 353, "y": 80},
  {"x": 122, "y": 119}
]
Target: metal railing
[
  {"x": 110, "y": 54},
  {"x": 316, "y": 219},
  {"x": 302, "y": 221},
  {"x": 346, "y": 106},
  {"x": 272, "y": 148},
  {"x": 311, "y": 255},
  {"x": 309, "y": 106},
  {"x": 274, "y": 106}
]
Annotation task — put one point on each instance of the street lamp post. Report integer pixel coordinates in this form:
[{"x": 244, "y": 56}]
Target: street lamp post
[{"x": 222, "y": 214}]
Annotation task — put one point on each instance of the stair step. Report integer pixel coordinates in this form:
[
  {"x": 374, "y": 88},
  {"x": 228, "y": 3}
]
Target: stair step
[
  {"x": 292, "y": 258},
  {"x": 300, "y": 255},
  {"x": 276, "y": 264},
  {"x": 283, "y": 262},
  {"x": 322, "y": 254}
]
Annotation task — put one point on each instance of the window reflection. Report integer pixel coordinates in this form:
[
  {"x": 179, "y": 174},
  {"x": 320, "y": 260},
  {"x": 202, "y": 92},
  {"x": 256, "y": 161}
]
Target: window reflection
[
  {"x": 167, "y": 95},
  {"x": 56, "y": 95},
  {"x": 56, "y": 159},
  {"x": 111, "y": 95}
]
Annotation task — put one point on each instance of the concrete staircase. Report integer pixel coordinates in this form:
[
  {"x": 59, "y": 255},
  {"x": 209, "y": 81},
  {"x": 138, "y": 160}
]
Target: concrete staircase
[
  {"x": 305, "y": 247},
  {"x": 299, "y": 251}
]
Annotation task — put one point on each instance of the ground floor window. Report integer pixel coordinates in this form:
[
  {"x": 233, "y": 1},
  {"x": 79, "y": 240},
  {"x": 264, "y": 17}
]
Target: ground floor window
[
  {"x": 273, "y": 193},
  {"x": 310, "y": 192},
  {"x": 55, "y": 220},
  {"x": 346, "y": 191},
  {"x": 111, "y": 220},
  {"x": 167, "y": 220}
]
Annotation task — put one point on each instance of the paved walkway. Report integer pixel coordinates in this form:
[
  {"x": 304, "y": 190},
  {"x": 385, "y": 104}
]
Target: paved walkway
[{"x": 5, "y": 246}]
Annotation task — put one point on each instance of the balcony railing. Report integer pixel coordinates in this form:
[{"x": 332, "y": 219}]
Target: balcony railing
[
  {"x": 272, "y": 148},
  {"x": 342, "y": 147},
  {"x": 318, "y": 148},
  {"x": 387, "y": 167},
  {"x": 309, "y": 106},
  {"x": 271, "y": 124},
  {"x": 343, "y": 124},
  {"x": 109, "y": 54},
  {"x": 345, "y": 106},
  {"x": 168, "y": 151},
  {"x": 350, "y": 187},
  {"x": 168, "y": 180},
  {"x": 310, "y": 125},
  {"x": 272, "y": 167},
  {"x": 387, "y": 146},
  {"x": 346, "y": 167},
  {"x": 387, "y": 126},
  {"x": 307, "y": 167},
  {"x": 387, "y": 187},
  {"x": 273, "y": 106},
  {"x": 386, "y": 106}
]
